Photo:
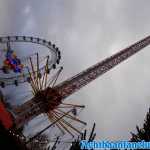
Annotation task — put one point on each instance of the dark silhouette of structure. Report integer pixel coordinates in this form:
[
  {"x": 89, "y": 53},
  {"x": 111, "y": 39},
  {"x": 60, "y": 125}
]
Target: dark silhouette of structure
[
  {"x": 144, "y": 132},
  {"x": 76, "y": 144},
  {"x": 8, "y": 141}
]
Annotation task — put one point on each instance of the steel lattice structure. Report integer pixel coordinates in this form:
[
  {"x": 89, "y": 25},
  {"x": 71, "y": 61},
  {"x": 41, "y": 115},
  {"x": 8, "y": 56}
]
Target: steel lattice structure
[{"x": 80, "y": 80}]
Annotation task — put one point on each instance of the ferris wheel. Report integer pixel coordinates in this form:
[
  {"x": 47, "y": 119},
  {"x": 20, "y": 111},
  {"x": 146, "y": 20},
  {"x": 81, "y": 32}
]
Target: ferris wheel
[{"x": 14, "y": 68}]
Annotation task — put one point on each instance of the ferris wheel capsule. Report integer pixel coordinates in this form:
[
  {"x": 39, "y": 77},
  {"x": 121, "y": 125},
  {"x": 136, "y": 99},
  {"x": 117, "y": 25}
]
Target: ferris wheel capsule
[
  {"x": 49, "y": 43},
  {"x": 57, "y": 61},
  {"x": 59, "y": 57},
  {"x": 2, "y": 84},
  {"x": 58, "y": 52},
  {"x": 54, "y": 66},
  {"x": 16, "y": 82},
  {"x": 57, "y": 49}
]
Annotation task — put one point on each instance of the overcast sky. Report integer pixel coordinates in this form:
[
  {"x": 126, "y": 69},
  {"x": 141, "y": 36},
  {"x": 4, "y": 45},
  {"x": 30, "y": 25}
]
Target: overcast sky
[{"x": 88, "y": 31}]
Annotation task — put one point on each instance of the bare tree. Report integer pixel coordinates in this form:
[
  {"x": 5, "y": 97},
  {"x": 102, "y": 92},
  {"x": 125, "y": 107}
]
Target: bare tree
[{"x": 144, "y": 132}]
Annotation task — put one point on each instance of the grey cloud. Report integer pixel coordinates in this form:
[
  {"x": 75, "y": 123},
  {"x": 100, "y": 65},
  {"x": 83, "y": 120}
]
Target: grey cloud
[{"x": 88, "y": 31}]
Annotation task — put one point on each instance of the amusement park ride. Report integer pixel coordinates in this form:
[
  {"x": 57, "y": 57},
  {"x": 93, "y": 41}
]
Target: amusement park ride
[{"x": 48, "y": 98}]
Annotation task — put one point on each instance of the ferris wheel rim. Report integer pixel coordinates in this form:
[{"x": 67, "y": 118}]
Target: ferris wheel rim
[{"x": 29, "y": 39}]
